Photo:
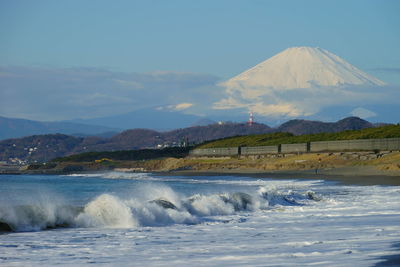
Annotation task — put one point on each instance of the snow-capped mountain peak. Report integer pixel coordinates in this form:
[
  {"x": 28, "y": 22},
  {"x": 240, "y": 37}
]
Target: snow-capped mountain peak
[{"x": 302, "y": 67}]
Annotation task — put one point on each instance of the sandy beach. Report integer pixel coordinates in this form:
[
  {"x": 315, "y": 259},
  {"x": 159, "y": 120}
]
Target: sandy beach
[{"x": 348, "y": 168}]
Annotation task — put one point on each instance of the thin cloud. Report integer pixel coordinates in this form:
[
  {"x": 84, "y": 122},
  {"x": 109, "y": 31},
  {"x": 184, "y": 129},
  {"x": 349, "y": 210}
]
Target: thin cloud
[
  {"x": 54, "y": 94},
  {"x": 298, "y": 102},
  {"x": 363, "y": 113},
  {"x": 182, "y": 106}
]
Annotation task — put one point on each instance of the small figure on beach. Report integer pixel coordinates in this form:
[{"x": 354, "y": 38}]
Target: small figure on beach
[{"x": 319, "y": 163}]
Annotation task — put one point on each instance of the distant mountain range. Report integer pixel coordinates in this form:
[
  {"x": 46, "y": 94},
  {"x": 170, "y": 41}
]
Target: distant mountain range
[
  {"x": 45, "y": 147},
  {"x": 160, "y": 118},
  {"x": 14, "y": 128}
]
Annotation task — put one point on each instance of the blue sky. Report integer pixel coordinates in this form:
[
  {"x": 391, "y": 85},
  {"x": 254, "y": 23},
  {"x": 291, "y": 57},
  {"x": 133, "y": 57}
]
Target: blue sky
[{"x": 215, "y": 38}]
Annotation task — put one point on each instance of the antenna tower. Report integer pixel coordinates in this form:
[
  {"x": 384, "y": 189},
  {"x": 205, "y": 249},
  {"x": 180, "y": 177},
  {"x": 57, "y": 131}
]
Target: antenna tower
[{"x": 251, "y": 119}]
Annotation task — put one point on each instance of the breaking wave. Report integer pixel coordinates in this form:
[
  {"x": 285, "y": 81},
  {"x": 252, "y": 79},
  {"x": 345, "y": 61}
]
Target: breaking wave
[{"x": 156, "y": 205}]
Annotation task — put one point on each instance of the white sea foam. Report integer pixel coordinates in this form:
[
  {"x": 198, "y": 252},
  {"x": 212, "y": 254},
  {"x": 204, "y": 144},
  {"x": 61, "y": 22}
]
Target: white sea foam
[
  {"x": 149, "y": 205},
  {"x": 209, "y": 205},
  {"x": 37, "y": 212},
  {"x": 107, "y": 211},
  {"x": 113, "y": 175},
  {"x": 285, "y": 223},
  {"x": 203, "y": 180}
]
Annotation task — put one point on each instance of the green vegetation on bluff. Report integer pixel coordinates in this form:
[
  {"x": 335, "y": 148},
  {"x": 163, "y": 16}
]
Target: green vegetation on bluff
[{"x": 389, "y": 131}]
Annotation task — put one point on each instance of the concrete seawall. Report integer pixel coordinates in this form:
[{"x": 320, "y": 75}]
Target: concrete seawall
[{"x": 386, "y": 144}]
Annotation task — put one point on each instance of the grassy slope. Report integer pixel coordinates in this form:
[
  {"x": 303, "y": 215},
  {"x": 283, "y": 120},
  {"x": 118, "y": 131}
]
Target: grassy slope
[{"x": 388, "y": 131}]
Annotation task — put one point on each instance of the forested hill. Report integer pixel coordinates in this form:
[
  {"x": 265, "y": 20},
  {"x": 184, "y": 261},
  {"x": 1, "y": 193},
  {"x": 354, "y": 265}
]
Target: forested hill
[
  {"x": 46, "y": 147},
  {"x": 387, "y": 131},
  {"x": 298, "y": 127}
]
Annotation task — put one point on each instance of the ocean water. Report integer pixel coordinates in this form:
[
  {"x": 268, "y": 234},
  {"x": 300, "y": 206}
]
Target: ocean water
[{"x": 135, "y": 219}]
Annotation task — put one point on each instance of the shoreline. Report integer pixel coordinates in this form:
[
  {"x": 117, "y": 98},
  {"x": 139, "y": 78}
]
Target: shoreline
[
  {"x": 358, "y": 179},
  {"x": 345, "y": 179},
  {"x": 363, "y": 176}
]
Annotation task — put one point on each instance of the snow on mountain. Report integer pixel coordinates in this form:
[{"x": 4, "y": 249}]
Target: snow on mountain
[
  {"x": 300, "y": 82},
  {"x": 302, "y": 67}
]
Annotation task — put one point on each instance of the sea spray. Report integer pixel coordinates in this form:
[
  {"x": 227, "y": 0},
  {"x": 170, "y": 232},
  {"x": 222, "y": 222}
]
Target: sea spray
[
  {"x": 148, "y": 204},
  {"x": 106, "y": 211},
  {"x": 149, "y": 191},
  {"x": 277, "y": 197},
  {"x": 38, "y": 216},
  {"x": 204, "y": 205},
  {"x": 153, "y": 214}
]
